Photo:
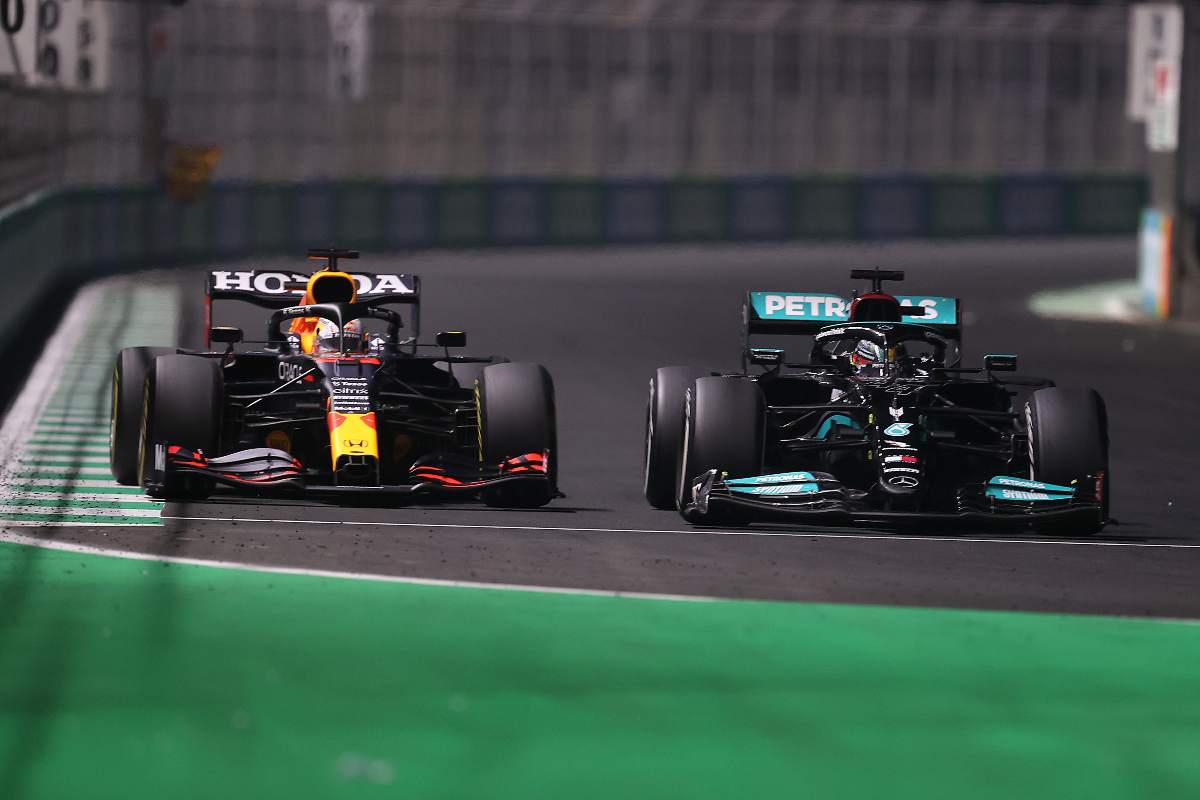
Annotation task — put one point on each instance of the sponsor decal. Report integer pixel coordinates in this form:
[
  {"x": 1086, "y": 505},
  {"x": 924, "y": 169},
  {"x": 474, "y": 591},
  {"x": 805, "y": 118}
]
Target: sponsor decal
[
  {"x": 1023, "y": 496},
  {"x": 766, "y": 355},
  {"x": 780, "y": 489},
  {"x": 290, "y": 372},
  {"x": 898, "y": 445},
  {"x": 890, "y": 470},
  {"x": 938, "y": 310},
  {"x": 279, "y": 440},
  {"x": 781, "y": 477},
  {"x": 897, "y": 429},
  {"x": 907, "y": 481},
  {"x": 818, "y": 307},
  {"x": 350, "y": 396},
  {"x": 1025, "y": 483},
  {"x": 896, "y": 413},
  {"x": 283, "y": 283},
  {"x": 831, "y": 308},
  {"x": 900, "y": 459}
]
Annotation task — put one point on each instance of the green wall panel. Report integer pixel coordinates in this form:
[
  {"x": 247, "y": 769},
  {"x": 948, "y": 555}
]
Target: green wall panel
[
  {"x": 697, "y": 211},
  {"x": 826, "y": 209},
  {"x": 575, "y": 213},
  {"x": 962, "y": 207},
  {"x": 462, "y": 214}
]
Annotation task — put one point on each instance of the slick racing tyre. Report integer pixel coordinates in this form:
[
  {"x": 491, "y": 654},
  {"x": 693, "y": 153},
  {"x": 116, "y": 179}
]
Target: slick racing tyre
[
  {"x": 664, "y": 432},
  {"x": 723, "y": 430},
  {"x": 185, "y": 398},
  {"x": 1068, "y": 438},
  {"x": 516, "y": 417},
  {"x": 125, "y": 417}
]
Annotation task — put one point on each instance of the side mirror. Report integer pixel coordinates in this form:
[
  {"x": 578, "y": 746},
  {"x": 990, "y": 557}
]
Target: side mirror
[
  {"x": 766, "y": 356},
  {"x": 451, "y": 339},
  {"x": 226, "y": 335},
  {"x": 1000, "y": 362}
]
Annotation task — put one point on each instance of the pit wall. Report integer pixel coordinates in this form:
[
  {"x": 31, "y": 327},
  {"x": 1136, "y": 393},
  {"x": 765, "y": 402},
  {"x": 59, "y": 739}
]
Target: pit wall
[{"x": 56, "y": 240}]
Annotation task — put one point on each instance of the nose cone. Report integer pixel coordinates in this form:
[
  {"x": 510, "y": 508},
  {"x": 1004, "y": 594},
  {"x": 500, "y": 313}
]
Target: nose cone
[{"x": 903, "y": 484}]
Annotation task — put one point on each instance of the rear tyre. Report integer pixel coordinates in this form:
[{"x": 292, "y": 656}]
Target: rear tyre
[
  {"x": 469, "y": 373},
  {"x": 185, "y": 398},
  {"x": 1068, "y": 439},
  {"x": 664, "y": 432},
  {"x": 132, "y": 366},
  {"x": 516, "y": 417},
  {"x": 723, "y": 430}
]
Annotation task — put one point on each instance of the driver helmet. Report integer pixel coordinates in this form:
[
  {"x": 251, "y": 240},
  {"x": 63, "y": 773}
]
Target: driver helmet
[
  {"x": 867, "y": 354},
  {"x": 350, "y": 339}
]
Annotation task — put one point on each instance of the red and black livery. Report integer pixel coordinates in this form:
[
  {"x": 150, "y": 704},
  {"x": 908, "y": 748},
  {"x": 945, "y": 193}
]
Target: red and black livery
[{"x": 378, "y": 413}]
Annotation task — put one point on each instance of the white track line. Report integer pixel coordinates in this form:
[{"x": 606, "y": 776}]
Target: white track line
[
  {"x": 61, "y": 523},
  {"x": 57, "y": 491},
  {"x": 72, "y": 485},
  {"x": 62, "y": 448},
  {"x": 692, "y": 532},
  {"x": 90, "y": 473},
  {"x": 69, "y": 510},
  {"x": 71, "y": 547}
]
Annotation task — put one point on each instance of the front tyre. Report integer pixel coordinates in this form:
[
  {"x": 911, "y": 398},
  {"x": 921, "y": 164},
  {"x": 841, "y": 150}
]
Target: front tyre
[
  {"x": 185, "y": 401},
  {"x": 664, "y": 432},
  {"x": 517, "y": 417},
  {"x": 1068, "y": 439},
  {"x": 132, "y": 366},
  {"x": 724, "y": 429}
]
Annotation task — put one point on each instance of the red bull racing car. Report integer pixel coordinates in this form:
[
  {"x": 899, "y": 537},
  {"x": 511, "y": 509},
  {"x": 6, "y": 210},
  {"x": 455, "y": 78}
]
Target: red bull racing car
[
  {"x": 328, "y": 405},
  {"x": 879, "y": 424}
]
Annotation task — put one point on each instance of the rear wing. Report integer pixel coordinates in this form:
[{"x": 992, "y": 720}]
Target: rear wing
[
  {"x": 794, "y": 313},
  {"x": 281, "y": 289},
  {"x": 275, "y": 289}
]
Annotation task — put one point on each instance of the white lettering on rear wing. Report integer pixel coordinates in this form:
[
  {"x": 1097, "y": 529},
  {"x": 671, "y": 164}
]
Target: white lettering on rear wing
[{"x": 272, "y": 284}]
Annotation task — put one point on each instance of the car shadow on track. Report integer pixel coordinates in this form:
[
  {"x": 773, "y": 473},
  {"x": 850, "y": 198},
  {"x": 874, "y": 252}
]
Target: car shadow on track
[
  {"x": 957, "y": 533},
  {"x": 378, "y": 503}
]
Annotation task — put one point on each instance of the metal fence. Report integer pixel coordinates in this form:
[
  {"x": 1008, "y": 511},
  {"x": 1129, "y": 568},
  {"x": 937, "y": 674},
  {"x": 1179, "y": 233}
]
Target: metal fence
[
  {"x": 672, "y": 87},
  {"x": 592, "y": 88},
  {"x": 51, "y": 138},
  {"x": 527, "y": 122}
]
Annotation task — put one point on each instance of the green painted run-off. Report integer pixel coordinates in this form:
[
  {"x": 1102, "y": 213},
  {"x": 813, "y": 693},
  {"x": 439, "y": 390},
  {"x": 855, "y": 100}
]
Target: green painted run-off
[{"x": 131, "y": 679}]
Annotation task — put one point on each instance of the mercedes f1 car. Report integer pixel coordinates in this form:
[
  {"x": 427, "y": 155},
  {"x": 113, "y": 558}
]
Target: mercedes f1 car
[
  {"x": 327, "y": 406},
  {"x": 880, "y": 424}
]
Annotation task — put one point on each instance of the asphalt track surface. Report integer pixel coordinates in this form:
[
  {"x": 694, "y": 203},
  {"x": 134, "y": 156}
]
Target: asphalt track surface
[{"x": 602, "y": 320}]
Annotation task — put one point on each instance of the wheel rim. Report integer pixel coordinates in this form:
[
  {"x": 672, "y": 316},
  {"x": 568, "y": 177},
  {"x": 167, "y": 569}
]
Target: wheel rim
[
  {"x": 112, "y": 417},
  {"x": 681, "y": 493},
  {"x": 649, "y": 440},
  {"x": 142, "y": 433}
]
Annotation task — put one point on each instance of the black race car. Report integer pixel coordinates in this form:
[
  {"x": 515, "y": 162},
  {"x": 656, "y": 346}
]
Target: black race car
[
  {"x": 881, "y": 424},
  {"x": 328, "y": 406}
]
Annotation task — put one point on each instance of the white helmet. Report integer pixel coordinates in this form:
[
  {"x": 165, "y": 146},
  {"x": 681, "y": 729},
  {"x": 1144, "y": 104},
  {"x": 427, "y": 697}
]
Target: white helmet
[
  {"x": 349, "y": 339},
  {"x": 867, "y": 354}
]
